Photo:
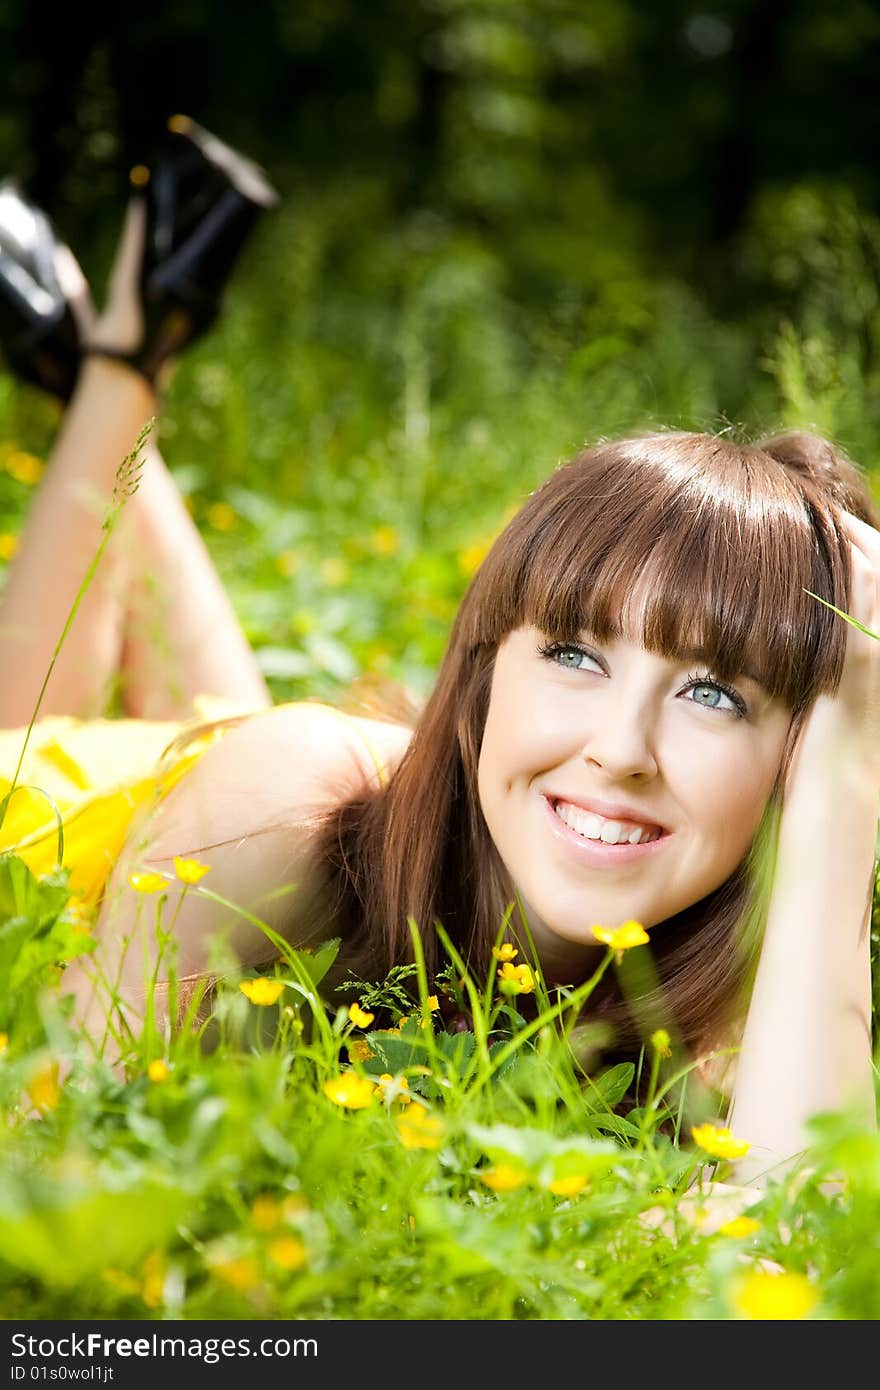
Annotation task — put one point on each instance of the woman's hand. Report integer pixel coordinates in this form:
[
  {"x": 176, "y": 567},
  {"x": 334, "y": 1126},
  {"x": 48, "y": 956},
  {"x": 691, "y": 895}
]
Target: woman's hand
[{"x": 842, "y": 730}]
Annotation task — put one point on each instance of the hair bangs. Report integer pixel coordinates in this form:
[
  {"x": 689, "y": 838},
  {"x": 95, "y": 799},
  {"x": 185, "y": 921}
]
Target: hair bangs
[{"x": 699, "y": 548}]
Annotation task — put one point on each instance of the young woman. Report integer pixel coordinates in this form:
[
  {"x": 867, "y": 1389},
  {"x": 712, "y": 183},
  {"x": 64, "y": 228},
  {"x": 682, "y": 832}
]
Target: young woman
[{"x": 644, "y": 689}]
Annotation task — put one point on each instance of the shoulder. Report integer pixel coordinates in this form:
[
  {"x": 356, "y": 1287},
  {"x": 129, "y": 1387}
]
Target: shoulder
[
  {"x": 248, "y": 808},
  {"x": 291, "y": 757}
]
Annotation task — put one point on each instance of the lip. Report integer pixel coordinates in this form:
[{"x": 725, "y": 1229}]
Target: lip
[
  {"x": 595, "y": 852},
  {"x": 608, "y": 810}
]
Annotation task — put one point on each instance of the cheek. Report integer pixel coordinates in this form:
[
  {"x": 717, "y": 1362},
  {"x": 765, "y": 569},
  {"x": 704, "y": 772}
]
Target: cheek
[{"x": 726, "y": 798}]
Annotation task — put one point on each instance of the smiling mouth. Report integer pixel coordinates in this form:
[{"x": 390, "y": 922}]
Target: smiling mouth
[{"x": 591, "y": 826}]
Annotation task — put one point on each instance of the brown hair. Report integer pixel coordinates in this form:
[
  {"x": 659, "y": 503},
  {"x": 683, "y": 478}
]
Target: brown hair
[{"x": 732, "y": 534}]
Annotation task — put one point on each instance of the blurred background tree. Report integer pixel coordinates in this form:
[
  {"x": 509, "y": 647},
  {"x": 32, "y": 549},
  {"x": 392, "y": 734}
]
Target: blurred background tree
[{"x": 560, "y": 127}]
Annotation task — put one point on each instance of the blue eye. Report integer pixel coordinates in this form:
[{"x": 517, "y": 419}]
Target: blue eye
[
  {"x": 715, "y": 690},
  {"x": 556, "y": 651}
]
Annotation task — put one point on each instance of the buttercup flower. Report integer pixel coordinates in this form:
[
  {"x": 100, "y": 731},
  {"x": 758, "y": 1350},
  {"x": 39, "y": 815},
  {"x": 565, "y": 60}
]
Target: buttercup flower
[
  {"x": 740, "y": 1226},
  {"x": 262, "y": 991},
  {"x": 221, "y": 516},
  {"x": 4, "y": 1041},
  {"x": 359, "y": 1050},
  {"x": 190, "y": 870},
  {"x": 621, "y": 938},
  {"x": 8, "y": 545},
  {"x": 360, "y": 1016},
  {"x": 147, "y": 882},
  {"x": 568, "y": 1186},
  {"x": 44, "y": 1089},
  {"x": 503, "y": 1177},
  {"x": 158, "y": 1070},
  {"x": 395, "y": 1088},
  {"x": 419, "y": 1130},
  {"x": 517, "y": 979},
  {"x": 265, "y": 1212},
  {"x": 349, "y": 1090},
  {"x": 288, "y": 1252},
  {"x": 719, "y": 1142},
  {"x": 775, "y": 1297},
  {"x": 433, "y": 1003},
  {"x": 506, "y": 951}
]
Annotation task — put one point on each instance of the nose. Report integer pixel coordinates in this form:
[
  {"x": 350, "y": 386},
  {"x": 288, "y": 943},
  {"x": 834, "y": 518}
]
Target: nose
[{"x": 621, "y": 742}]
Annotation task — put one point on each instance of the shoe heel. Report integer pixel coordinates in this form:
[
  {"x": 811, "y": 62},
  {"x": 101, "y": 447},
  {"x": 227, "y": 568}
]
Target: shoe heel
[{"x": 203, "y": 201}]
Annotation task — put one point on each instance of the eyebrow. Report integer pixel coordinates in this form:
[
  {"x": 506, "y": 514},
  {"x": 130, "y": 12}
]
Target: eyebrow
[{"x": 687, "y": 654}]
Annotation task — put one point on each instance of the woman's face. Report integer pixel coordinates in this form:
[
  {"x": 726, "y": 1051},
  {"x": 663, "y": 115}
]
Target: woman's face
[{"x": 585, "y": 744}]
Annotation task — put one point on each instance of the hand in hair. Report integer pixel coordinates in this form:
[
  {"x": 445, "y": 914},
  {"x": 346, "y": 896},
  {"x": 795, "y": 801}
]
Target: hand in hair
[{"x": 846, "y": 724}]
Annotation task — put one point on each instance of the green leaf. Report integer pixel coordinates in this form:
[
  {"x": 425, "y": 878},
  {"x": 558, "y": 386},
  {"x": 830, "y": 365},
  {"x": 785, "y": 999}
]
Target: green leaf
[{"x": 611, "y": 1086}]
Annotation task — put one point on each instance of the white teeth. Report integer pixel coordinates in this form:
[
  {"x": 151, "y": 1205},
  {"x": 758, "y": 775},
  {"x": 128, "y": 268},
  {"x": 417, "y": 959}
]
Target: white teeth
[{"x": 610, "y": 832}]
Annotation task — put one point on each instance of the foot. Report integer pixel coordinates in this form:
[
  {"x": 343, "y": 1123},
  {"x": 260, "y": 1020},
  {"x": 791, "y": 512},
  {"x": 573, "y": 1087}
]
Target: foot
[{"x": 187, "y": 223}]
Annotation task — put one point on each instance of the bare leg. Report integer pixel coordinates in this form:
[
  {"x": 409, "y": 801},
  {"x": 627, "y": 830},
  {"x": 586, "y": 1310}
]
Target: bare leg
[
  {"x": 181, "y": 635},
  {"x": 200, "y": 631}
]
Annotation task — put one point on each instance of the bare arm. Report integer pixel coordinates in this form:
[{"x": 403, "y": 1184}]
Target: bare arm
[{"x": 807, "y": 1040}]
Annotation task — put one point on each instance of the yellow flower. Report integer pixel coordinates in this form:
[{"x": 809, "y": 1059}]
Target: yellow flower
[
  {"x": 660, "y": 1042},
  {"x": 288, "y": 1252},
  {"x": 433, "y": 1003},
  {"x": 350, "y": 1090},
  {"x": 147, "y": 882},
  {"x": 506, "y": 951},
  {"x": 8, "y": 545},
  {"x": 265, "y": 1212},
  {"x": 417, "y": 1129},
  {"x": 240, "y": 1272},
  {"x": 262, "y": 991},
  {"x": 621, "y": 938},
  {"x": 569, "y": 1186},
  {"x": 333, "y": 571},
  {"x": 24, "y": 468},
  {"x": 359, "y": 1050},
  {"x": 221, "y": 516},
  {"x": 775, "y": 1297},
  {"x": 287, "y": 562},
  {"x": 4, "y": 1041},
  {"x": 740, "y": 1226},
  {"x": 153, "y": 1287},
  {"x": 360, "y": 1016},
  {"x": 472, "y": 556},
  {"x": 404, "y": 1018},
  {"x": 384, "y": 540},
  {"x": 517, "y": 979},
  {"x": 503, "y": 1177},
  {"x": 718, "y": 1141},
  {"x": 158, "y": 1070},
  {"x": 190, "y": 870},
  {"x": 44, "y": 1089},
  {"x": 395, "y": 1088}
]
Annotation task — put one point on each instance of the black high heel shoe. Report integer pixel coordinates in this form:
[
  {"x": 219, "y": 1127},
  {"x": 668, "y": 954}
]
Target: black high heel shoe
[
  {"x": 39, "y": 331},
  {"x": 203, "y": 200}
]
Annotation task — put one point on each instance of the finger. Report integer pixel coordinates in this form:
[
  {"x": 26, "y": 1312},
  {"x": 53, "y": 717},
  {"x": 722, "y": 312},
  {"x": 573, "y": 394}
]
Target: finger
[{"x": 867, "y": 537}]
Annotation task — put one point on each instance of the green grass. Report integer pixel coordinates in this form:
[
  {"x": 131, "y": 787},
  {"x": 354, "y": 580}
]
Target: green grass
[{"x": 374, "y": 403}]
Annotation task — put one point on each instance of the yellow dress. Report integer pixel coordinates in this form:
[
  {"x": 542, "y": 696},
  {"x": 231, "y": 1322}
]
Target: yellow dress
[{"x": 92, "y": 776}]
